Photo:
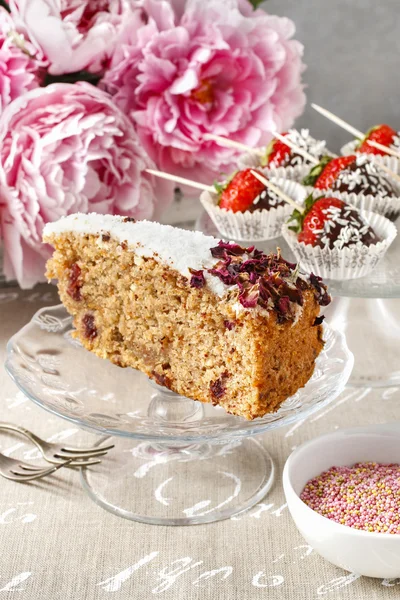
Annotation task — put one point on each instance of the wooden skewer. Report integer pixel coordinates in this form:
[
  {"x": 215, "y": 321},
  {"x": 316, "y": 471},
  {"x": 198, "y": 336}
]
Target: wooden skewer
[
  {"x": 384, "y": 148},
  {"x": 293, "y": 146},
  {"x": 315, "y": 161},
  {"x": 175, "y": 178},
  {"x": 234, "y": 144},
  {"x": 388, "y": 171},
  {"x": 230, "y": 143},
  {"x": 356, "y": 132},
  {"x": 338, "y": 121},
  {"x": 277, "y": 191}
]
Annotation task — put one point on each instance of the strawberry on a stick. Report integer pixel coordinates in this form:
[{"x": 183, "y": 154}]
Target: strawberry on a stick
[
  {"x": 325, "y": 173},
  {"x": 247, "y": 190},
  {"x": 381, "y": 134},
  {"x": 352, "y": 174},
  {"x": 277, "y": 152},
  {"x": 329, "y": 222}
]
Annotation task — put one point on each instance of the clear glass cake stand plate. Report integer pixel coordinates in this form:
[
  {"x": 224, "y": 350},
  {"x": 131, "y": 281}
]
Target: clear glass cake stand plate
[
  {"x": 367, "y": 310},
  {"x": 176, "y": 461}
]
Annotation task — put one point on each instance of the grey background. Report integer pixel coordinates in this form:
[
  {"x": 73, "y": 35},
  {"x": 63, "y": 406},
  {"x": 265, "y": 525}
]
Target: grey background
[{"x": 352, "y": 51}]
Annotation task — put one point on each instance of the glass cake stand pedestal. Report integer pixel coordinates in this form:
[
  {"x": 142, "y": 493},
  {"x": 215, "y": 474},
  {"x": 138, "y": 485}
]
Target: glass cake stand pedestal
[
  {"x": 367, "y": 310},
  {"x": 175, "y": 461}
]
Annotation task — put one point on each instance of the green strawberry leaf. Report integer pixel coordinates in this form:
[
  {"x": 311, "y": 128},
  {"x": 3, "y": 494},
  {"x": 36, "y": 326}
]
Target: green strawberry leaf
[
  {"x": 299, "y": 216},
  {"x": 316, "y": 171},
  {"x": 220, "y": 187},
  {"x": 296, "y": 216},
  {"x": 268, "y": 151},
  {"x": 366, "y": 136},
  {"x": 256, "y": 3}
]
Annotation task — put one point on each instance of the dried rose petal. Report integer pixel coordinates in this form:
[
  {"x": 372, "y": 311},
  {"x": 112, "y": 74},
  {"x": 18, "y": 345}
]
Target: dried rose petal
[
  {"x": 221, "y": 271},
  {"x": 218, "y": 388},
  {"x": 258, "y": 254},
  {"x": 197, "y": 280},
  {"x": 322, "y": 295},
  {"x": 284, "y": 305},
  {"x": 295, "y": 295},
  {"x": 265, "y": 280},
  {"x": 229, "y": 325},
  {"x": 253, "y": 277},
  {"x": 75, "y": 284},
  {"x": 249, "y": 296},
  {"x": 249, "y": 265},
  {"x": 301, "y": 284},
  {"x": 89, "y": 328},
  {"x": 225, "y": 248},
  {"x": 265, "y": 292}
]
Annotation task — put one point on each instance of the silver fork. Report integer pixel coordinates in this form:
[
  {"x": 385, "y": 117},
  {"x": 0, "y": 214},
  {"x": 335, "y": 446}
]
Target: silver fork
[
  {"x": 17, "y": 470},
  {"x": 58, "y": 453}
]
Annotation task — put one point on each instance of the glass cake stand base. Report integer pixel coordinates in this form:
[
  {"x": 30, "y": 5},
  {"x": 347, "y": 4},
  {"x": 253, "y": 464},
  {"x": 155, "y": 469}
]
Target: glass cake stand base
[
  {"x": 368, "y": 324},
  {"x": 187, "y": 485},
  {"x": 176, "y": 461},
  {"x": 179, "y": 483}
]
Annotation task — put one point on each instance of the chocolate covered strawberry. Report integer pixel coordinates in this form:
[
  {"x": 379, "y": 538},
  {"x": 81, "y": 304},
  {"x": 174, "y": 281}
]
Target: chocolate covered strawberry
[
  {"x": 329, "y": 222},
  {"x": 244, "y": 192},
  {"x": 356, "y": 174},
  {"x": 279, "y": 154},
  {"x": 382, "y": 134}
]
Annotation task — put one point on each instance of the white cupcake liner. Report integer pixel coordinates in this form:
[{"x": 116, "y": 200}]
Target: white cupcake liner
[
  {"x": 387, "y": 206},
  {"x": 391, "y": 162},
  {"x": 257, "y": 226},
  {"x": 349, "y": 148},
  {"x": 347, "y": 263}
]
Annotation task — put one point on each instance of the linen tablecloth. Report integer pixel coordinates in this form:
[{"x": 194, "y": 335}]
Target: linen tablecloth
[{"x": 56, "y": 544}]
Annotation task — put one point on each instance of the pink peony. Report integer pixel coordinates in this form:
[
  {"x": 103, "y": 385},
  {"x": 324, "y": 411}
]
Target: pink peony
[
  {"x": 72, "y": 34},
  {"x": 63, "y": 149},
  {"x": 182, "y": 69},
  {"x": 18, "y": 69}
]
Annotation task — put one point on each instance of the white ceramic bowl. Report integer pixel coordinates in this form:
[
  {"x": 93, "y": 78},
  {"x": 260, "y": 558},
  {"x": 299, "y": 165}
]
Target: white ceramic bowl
[{"x": 362, "y": 552}]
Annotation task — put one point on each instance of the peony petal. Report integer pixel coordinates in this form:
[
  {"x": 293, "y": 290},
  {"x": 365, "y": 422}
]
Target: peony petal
[
  {"x": 187, "y": 82},
  {"x": 66, "y": 39},
  {"x": 63, "y": 149}
]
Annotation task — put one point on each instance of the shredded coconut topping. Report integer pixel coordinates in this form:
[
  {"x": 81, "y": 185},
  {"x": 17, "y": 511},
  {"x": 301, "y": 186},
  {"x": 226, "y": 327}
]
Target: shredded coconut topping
[
  {"x": 343, "y": 227},
  {"x": 363, "y": 176},
  {"x": 248, "y": 275},
  {"x": 266, "y": 199},
  {"x": 303, "y": 140},
  {"x": 396, "y": 142}
]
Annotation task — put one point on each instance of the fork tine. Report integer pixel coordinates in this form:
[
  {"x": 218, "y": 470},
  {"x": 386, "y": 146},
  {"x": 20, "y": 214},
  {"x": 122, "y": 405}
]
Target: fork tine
[
  {"x": 39, "y": 474},
  {"x": 76, "y": 457},
  {"x": 87, "y": 450},
  {"x": 17, "y": 477},
  {"x": 27, "y": 467},
  {"x": 23, "y": 475}
]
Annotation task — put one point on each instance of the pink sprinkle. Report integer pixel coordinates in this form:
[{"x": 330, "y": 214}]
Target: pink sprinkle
[{"x": 365, "y": 496}]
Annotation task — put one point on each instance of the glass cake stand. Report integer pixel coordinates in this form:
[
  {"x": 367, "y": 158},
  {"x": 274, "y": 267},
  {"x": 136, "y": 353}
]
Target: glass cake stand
[
  {"x": 176, "y": 461},
  {"x": 372, "y": 323}
]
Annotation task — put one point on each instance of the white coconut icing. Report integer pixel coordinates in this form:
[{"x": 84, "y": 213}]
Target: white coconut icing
[{"x": 177, "y": 248}]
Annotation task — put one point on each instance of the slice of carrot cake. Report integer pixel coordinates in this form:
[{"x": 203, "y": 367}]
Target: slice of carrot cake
[{"x": 205, "y": 318}]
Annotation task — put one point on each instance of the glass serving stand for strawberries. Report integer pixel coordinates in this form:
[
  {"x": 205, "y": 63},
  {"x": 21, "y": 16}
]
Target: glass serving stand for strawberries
[
  {"x": 175, "y": 461},
  {"x": 367, "y": 310}
]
